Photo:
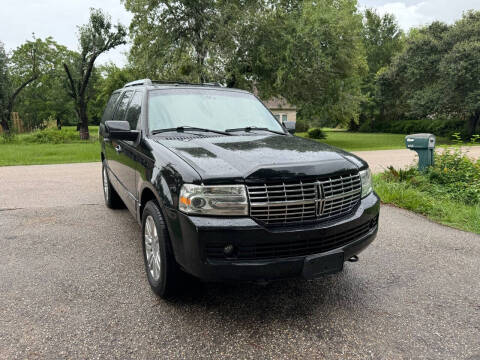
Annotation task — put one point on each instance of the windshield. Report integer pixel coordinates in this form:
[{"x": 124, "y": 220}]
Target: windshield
[{"x": 207, "y": 108}]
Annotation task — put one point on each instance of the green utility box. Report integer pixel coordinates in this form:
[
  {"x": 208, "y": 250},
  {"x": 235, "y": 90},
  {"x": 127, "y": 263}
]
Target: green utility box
[{"x": 424, "y": 145}]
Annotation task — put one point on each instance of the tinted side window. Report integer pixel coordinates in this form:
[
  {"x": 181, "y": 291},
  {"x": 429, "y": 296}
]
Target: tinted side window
[
  {"x": 133, "y": 112},
  {"x": 122, "y": 105},
  {"x": 107, "y": 114}
]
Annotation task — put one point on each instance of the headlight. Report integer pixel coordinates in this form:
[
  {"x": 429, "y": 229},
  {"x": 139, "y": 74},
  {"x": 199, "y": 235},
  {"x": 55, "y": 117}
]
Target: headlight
[
  {"x": 213, "y": 200},
  {"x": 366, "y": 177}
]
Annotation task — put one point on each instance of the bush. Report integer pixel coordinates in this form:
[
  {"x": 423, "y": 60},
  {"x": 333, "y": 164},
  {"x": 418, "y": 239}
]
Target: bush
[
  {"x": 316, "y": 133},
  {"x": 54, "y": 136},
  {"x": 440, "y": 126},
  {"x": 7, "y": 138},
  {"x": 301, "y": 126},
  {"x": 454, "y": 176},
  {"x": 50, "y": 136}
]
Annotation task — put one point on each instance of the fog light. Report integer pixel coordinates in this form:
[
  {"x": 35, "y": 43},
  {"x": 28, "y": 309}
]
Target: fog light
[{"x": 229, "y": 250}]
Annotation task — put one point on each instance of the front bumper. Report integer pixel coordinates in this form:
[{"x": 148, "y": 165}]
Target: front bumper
[{"x": 267, "y": 253}]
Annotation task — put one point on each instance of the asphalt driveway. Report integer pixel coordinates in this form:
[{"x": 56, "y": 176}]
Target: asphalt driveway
[{"x": 72, "y": 285}]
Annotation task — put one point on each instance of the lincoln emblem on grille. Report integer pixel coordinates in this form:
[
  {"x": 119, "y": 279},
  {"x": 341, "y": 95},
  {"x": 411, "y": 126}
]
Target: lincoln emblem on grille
[{"x": 319, "y": 198}]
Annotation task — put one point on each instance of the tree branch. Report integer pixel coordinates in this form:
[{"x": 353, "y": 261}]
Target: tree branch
[
  {"x": 70, "y": 80},
  {"x": 86, "y": 77},
  {"x": 20, "y": 88}
]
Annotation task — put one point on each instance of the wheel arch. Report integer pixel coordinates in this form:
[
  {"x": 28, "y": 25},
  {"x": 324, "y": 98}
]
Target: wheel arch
[{"x": 148, "y": 193}]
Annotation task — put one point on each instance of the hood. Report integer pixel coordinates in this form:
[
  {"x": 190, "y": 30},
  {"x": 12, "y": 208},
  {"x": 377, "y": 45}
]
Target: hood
[{"x": 257, "y": 157}]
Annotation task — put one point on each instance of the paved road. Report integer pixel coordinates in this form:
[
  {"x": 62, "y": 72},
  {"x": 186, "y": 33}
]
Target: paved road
[
  {"x": 379, "y": 160},
  {"x": 72, "y": 287}
]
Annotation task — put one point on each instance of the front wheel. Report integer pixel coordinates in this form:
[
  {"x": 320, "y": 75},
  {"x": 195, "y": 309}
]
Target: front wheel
[{"x": 163, "y": 273}]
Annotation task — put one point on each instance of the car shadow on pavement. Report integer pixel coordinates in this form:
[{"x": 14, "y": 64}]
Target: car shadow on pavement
[{"x": 279, "y": 300}]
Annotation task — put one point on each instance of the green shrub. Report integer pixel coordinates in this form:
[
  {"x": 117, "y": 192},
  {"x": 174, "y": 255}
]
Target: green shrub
[
  {"x": 54, "y": 136},
  {"x": 440, "y": 126},
  {"x": 454, "y": 176},
  {"x": 316, "y": 133},
  {"x": 301, "y": 126},
  {"x": 50, "y": 136},
  {"x": 7, "y": 137}
]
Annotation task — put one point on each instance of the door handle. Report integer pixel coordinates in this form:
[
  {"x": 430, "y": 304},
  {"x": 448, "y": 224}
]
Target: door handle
[{"x": 118, "y": 149}]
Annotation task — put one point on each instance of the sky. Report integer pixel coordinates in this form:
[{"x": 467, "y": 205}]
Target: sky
[
  {"x": 411, "y": 13},
  {"x": 60, "y": 18}
]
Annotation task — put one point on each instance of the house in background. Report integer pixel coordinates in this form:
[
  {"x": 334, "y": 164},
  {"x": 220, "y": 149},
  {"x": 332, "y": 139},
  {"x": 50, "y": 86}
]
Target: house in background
[{"x": 281, "y": 109}]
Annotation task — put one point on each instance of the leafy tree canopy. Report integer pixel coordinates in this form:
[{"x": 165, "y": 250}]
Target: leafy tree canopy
[
  {"x": 437, "y": 73},
  {"x": 310, "y": 52},
  {"x": 28, "y": 63},
  {"x": 99, "y": 35}
]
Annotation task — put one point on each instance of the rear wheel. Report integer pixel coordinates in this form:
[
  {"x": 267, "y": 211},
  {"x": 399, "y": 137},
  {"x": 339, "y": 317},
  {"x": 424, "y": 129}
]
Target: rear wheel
[
  {"x": 112, "y": 200},
  {"x": 163, "y": 273}
]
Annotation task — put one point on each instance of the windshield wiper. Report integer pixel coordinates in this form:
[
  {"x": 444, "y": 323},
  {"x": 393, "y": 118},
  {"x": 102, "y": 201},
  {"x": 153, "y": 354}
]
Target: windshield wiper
[
  {"x": 188, "y": 128},
  {"x": 250, "y": 128}
]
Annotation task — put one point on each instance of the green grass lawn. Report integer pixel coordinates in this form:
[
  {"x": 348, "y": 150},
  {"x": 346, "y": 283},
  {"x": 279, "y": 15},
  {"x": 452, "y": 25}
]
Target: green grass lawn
[
  {"x": 352, "y": 141},
  {"x": 439, "y": 209},
  {"x": 36, "y": 154},
  {"x": 31, "y": 149}
]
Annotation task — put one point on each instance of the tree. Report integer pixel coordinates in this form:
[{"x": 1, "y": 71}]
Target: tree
[
  {"x": 383, "y": 39},
  {"x": 99, "y": 35},
  {"x": 25, "y": 70},
  {"x": 4, "y": 90},
  {"x": 460, "y": 71},
  {"x": 311, "y": 53},
  {"x": 47, "y": 97},
  {"x": 185, "y": 39},
  {"x": 436, "y": 74},
  {"x": 110, "y": 78}
]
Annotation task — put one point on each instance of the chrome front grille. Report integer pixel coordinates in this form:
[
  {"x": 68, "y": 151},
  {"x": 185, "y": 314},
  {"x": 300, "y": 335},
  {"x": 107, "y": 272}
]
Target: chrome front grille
[{"x": 300, "y": 201}]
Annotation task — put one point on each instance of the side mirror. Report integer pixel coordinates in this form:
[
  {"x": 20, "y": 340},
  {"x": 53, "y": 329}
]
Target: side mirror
[
  {"x": 120, "y": 130},
  {"x": 290, "y": 126}
]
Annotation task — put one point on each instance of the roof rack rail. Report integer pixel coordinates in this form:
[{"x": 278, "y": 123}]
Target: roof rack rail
[
  {"x": 160, "y": 82},
  {"x": 139, "y": 82}
]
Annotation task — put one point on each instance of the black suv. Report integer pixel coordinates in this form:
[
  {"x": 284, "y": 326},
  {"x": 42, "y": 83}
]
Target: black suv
[{"x": 223, "y": 191}]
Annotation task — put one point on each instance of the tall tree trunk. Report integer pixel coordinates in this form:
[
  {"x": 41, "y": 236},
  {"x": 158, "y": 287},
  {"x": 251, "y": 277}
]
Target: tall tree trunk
[
  {"x": 473, "y": 124},
  {"x": 82, "y": 120},
  {"x": 5, "y": 126},
  {"x": 84, "y": 134}
]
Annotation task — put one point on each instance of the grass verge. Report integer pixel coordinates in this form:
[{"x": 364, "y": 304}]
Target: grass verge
[
  {"x": 440, "y": 209},
  {"x": 39, "y": 154},
  {"x": 50, "y": 146}
]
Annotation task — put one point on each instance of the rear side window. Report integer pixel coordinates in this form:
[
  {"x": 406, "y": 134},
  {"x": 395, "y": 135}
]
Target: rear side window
[
  {"x": 108, "y": 113},
  {"x": 133, "y": 112},
  {"x": 122, "y": 105}
]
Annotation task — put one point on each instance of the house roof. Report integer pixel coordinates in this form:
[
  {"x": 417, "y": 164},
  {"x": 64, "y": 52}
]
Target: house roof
[{"x": 278, "y": 102}]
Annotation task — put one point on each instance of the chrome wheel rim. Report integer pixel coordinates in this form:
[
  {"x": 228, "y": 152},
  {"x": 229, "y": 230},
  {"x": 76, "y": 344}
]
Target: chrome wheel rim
[
  {"x": 105, "y": 183},
  {"x": 152, "y": 248}
]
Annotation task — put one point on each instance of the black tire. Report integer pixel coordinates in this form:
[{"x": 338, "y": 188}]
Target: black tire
[
  {"x": 112, "y": 199},
  {"x": 171, "y": 276}
]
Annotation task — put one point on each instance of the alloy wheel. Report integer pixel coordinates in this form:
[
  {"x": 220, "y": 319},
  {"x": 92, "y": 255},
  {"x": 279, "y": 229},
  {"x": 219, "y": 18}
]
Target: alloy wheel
[
  {"x": 105, "y": 183},
  {"x": 152, "y": 248}
]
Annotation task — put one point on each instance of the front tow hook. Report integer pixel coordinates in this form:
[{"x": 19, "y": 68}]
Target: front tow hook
[{"x": 354, "y": 258}]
